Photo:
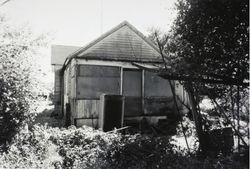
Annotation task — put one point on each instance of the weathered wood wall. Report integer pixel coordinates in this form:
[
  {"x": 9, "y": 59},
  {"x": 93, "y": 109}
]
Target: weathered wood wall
[
  {"x": 66, "y": 88},
  {"x": 145, "y": 93},
  {"x": 87, "y": 108},
  {"x": 87, "y": 112},
  {"x": 91, "y": 82},
  {"x": 57, "y": 89},
  {"x": 69, "y": 90}
]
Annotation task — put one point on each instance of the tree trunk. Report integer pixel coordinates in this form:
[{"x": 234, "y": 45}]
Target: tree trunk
[
  {"x": 197, "y": 118},
  {"x": 178, "y": 111}
]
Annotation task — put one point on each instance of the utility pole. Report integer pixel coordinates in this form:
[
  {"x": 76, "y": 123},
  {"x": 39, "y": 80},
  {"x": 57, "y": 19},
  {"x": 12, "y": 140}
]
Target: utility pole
[{"x": 101, "y": 17}]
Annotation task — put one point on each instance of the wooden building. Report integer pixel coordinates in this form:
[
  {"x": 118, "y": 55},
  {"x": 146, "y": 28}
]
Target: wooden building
[{"x": 107, "y": 66}]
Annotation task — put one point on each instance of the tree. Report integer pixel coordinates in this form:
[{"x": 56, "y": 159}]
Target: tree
[
  {"x": 18, "y": 48},
  {"x": 208, "y": 49},
  {"x": 211, "y": 38}
]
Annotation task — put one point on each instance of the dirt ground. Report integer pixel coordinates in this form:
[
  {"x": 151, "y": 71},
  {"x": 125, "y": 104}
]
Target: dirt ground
[{"x": 44, "y": 115}]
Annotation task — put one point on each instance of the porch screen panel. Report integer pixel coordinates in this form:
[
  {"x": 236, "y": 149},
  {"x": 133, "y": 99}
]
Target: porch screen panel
[
  {"x": 157, "y": 94},
  {"x": 156, "y": 86},
  {"x": 93, "y": 80},
  {"x": 132, "y": 90}
]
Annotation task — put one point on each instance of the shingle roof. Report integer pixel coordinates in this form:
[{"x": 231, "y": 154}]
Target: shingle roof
[
  {"x": 124, "y": 42},
  {"x": 60, "y": 52}
]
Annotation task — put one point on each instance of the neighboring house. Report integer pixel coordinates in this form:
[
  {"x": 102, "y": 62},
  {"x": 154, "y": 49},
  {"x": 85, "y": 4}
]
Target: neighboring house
[
  {"x": 107, "y": 66},
  {"x": 59, "y": 54}
]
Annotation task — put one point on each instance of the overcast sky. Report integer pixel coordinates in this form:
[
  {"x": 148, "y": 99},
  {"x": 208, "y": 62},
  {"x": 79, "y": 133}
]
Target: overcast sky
[{"x": 77, "y": 22}]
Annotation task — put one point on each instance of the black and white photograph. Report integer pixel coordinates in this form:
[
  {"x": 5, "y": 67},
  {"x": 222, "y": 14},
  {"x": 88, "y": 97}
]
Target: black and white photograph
[{"x": 124, "y": 84}]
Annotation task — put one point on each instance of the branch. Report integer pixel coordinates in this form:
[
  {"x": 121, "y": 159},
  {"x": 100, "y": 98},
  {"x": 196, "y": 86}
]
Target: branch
[
  {"x": 156, "y": 70},
  {"x": 190, "y": 78},
  {"x": 229, "y": 121},
  {"x": 3, "y": 3},
  {"x": 161, "y": 46},
  {"x": 226, "y": 81},
  {"x": 183, "y": 103}
]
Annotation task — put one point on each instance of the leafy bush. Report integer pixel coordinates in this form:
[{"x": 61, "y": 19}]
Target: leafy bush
[
  {"x": 88, "y": 148},
  {"x": 46, "y": 147},
  {"x": 13, "y": 110},
  {"x": 29, "y": 150},
  {"x": 17, "y": 71}
]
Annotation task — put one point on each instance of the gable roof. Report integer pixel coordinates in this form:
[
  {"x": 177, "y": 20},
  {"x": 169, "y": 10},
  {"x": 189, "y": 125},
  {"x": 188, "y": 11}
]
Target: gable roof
[
  {"x": 122, "y": 43},
  {"x": 60, "y": 52}
]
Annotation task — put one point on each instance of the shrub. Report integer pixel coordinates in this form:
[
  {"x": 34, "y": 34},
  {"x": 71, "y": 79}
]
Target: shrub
[
  {"x": 13, "y": 110},
  {"x": 17, "y": 82},
  {"x": 29, "y": 150},
  {"x": 46, "y": 147}
]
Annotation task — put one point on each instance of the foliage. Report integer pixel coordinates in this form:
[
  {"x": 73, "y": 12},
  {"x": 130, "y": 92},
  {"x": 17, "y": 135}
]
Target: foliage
[
  {"x": 45, "y": 147},
  {"x": 29, "y": 150},
  {"x": 211, "y": 38},
  {"x": 17, "y": 72},
  {"x": 87, "y": 148}
]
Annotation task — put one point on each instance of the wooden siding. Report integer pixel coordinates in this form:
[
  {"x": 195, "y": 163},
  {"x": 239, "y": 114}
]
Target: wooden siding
[
  {"x": 73, "y": 87},
  {"x": 87, "y": 108},
  {"x": 73, "y": 106},
  {"x": 146, "y": 94},
  {"x": 57, "y": 89},
  {"x": 67, "y": 81},
  {"x": 57, "y": 86},
  {"x": 73, "y": 67}
]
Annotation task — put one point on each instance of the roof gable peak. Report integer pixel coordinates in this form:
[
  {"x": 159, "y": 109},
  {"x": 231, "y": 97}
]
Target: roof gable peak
[{"x": 114, "y": 29}]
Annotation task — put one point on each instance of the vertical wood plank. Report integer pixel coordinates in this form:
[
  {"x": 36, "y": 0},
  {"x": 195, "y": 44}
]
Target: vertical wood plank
[
  {"x": 142, "y": 92},
  {"x": 87, "y": 108},
  {"x": 121, "y": 86}
]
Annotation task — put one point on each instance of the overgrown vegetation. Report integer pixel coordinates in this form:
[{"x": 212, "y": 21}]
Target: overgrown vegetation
[
  {"x": 44, "y": 147},
  {"x": 207, "y": 50},
  {"x": 209, "y": 40},
  {"x": 18, "y": 73}
]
